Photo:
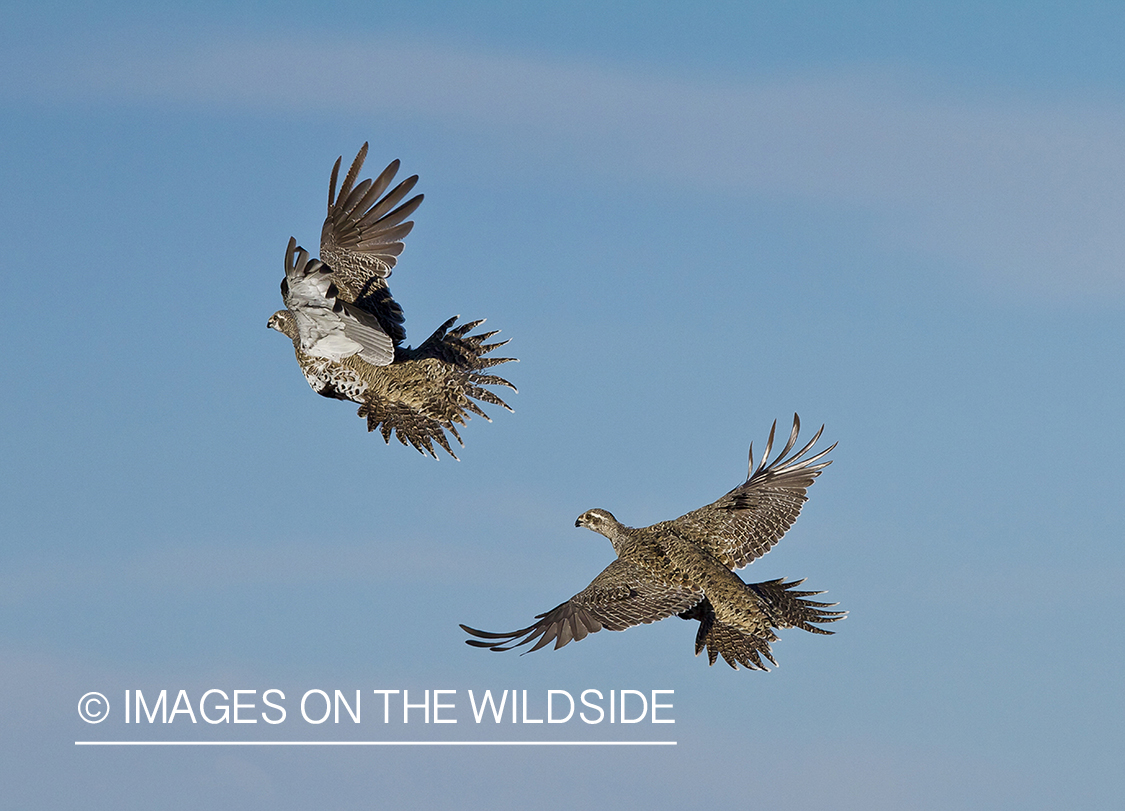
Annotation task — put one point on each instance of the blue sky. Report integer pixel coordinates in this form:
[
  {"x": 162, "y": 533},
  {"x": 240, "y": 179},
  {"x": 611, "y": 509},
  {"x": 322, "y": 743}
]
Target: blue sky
[{"x": 902, "y": 223}]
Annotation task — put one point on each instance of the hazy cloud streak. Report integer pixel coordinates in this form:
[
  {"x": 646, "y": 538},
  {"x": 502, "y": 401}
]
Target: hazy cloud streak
[{"x": 1026, "y": 197}]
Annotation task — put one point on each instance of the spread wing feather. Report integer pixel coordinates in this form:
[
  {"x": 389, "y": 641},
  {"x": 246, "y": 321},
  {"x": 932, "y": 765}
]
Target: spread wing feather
[
  {"x": 363, "y": 232},
  {"x": 326, "y": 326},
  {"x": 362, "y": 238},
  {"x": 623, "y": 595},
  {"x": 746, "y": 523}
]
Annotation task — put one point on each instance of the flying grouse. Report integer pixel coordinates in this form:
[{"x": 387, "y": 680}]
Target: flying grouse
[
  {"x": 348, "y": 332},
  {"x": 684, "y": 567}
]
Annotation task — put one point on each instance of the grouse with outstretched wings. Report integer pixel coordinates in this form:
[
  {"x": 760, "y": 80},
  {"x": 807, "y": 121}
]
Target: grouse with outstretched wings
[
  {"x": 683, "y": 568},
  {"x": 347, "y": 330}
]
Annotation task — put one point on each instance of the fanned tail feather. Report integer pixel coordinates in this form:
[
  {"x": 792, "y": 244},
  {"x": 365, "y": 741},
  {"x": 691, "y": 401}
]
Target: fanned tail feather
[
  {"x": 457, "y": 347},
  {"x": 466, "y": 353},
  {"x": 737, "y": 647},
  {"x": 788, "y": 608},
  {"x": 408, "y": 427},
  {"x": 782, "y": 605},
  {"x": 457, "y": 382}
]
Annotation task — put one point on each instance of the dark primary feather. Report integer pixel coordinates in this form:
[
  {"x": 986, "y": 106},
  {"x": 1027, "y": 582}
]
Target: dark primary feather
[
  {"x": 683, "y": 567},
  {"x": 362, "y": 235},
  {"x": 623, "y": 595},
  {"x": 359, "y": 222},
  {"x": 746, "y": 523}
]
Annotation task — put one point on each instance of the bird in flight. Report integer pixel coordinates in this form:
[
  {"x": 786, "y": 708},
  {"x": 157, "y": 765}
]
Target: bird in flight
[
  {"x": 684, "y": 567},
  {"x": 347, "y": 330}
]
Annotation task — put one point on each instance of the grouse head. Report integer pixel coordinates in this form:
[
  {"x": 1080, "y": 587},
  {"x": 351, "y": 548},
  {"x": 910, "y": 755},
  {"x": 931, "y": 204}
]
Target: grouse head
[
  {"x": 597, "y": 519},
  {"x": 283, "y": 322}
]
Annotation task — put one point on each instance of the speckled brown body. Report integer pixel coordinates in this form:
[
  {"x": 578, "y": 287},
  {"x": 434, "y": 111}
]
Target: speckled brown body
[
  {"x": 672, "y": 558},
  {"x": 421, "y": 394}
]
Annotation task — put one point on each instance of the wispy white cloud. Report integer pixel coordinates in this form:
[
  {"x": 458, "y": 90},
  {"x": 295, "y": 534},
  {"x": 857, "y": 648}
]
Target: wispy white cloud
[
  {"x": 200, "y": 566},
  {"x": 1024, "y": 195}
]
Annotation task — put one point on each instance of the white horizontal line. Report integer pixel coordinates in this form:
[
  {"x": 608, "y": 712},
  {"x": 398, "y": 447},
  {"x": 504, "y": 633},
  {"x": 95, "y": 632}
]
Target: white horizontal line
[{"x": 375, "y": 743}]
